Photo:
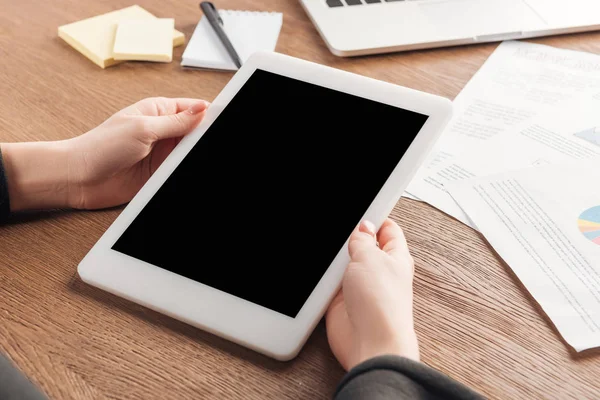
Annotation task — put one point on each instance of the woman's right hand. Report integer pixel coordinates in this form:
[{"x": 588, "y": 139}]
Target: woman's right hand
[{"x": 372, "y": 315}]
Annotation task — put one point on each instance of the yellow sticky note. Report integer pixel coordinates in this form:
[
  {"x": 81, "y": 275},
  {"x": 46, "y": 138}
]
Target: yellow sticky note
[
  {"x": 95, "y": 37},
  {"x": 148, "y": 39}
]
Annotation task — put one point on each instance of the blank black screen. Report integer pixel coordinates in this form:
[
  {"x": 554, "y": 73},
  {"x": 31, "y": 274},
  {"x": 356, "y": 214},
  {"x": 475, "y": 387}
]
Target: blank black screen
[{"x": 264, "y": 201}]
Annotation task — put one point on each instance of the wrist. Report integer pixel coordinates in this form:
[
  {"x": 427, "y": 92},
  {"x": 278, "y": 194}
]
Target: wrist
[
  {"x": 406, "y": 346},
  {"x": 36, "y": 174},
  {"x": 403, "y": 344}
]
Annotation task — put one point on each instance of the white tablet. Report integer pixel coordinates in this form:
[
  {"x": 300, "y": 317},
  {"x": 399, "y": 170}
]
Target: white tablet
[{"x": 243, "y": 229}]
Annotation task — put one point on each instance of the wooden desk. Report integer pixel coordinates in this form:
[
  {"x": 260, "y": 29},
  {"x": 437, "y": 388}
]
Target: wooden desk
[{"x": 474, "y": 320}]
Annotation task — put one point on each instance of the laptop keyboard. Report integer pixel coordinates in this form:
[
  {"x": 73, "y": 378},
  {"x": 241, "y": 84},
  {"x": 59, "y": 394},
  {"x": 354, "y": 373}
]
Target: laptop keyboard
[{"x": 342, "y": 3}]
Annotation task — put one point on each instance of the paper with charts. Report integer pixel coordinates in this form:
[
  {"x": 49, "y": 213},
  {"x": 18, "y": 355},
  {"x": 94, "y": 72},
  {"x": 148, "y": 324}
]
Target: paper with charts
[
  {"x": 544, "y": 139},
  {"x": 545, "y": 223},
  {"x": 498, "y": 107}
]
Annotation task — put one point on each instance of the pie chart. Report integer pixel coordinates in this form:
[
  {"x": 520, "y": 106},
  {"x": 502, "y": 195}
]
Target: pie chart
[
  {"x": 592, "y": 135},
  {"x": 589, "y": 224}
]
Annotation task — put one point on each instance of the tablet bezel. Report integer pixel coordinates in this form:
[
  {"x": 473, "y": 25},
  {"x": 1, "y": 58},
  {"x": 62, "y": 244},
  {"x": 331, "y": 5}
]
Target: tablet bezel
[{"x": 240, "y": 321}]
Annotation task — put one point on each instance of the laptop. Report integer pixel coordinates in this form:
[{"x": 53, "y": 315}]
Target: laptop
[{"x": 360, "y": 27}]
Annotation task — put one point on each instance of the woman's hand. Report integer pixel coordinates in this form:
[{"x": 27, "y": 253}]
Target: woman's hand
[
  {"x": 372, "y": 314},
  {"x": 103, "y": 167},
  {"x": 109, "y": 164}
]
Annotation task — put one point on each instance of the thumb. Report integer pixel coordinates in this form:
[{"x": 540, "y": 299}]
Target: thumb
[
  {"x": 363, "y": 238},
  {"x": 176, "y": 125}
]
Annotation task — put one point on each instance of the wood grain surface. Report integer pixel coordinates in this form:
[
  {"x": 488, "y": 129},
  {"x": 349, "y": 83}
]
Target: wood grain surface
[{"x": 474, "y": 320}]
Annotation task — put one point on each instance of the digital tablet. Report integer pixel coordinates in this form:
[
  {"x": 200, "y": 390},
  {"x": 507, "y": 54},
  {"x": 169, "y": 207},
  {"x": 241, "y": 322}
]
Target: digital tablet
[{"x": 243, "y": 230}]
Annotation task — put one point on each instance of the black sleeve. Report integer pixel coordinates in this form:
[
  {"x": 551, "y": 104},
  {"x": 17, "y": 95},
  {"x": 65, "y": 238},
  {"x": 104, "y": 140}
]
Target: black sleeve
[
  {"x": 14, "y": 385},
  {"x": 4, "y": 202},
  {"x": 393, "y": 377}
]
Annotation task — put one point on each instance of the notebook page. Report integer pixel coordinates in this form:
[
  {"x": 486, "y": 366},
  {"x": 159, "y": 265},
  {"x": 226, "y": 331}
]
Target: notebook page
[{"x": 249, "y": 31}]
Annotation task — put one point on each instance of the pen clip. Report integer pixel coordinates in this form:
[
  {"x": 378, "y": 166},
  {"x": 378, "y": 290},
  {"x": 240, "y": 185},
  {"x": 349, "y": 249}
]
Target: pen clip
[{"x": 217, "y": 15}]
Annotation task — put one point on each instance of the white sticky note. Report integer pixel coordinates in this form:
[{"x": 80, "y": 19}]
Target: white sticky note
[{"x": 144, "y": 40}]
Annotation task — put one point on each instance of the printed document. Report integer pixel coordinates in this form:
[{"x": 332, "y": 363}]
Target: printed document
[
  {"x": 517, "y": 83},
  {"x": 572, "y": 134},
  {"x": 545, "y": 223}
]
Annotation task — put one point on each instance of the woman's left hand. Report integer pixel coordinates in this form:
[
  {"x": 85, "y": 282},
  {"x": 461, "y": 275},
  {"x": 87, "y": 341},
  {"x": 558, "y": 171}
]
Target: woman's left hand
[
  {"x": 104, "y": 167},
  {"x": 113, "y": 161}
]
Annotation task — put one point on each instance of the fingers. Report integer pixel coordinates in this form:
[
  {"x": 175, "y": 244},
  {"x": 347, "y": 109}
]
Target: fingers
[
  {"x": 178, "y": 124},
  {"x": 177, "y": 105},
  {"x": 157, "y": 106},
  {"x": 392, "y": 240},
  {"x": 363, "y": 238}
]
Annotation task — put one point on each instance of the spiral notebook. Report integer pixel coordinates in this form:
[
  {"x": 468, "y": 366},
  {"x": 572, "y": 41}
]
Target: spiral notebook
[{"x": 248, "y": 31}]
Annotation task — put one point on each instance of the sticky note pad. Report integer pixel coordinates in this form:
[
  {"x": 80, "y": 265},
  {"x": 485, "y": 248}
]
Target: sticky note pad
[
  {"x": 144, "y": 40},
  {"x": 95, "y": 37}
]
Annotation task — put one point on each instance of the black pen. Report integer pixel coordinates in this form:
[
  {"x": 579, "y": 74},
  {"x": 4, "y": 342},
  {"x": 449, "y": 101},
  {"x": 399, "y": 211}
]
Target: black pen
[{"x": 216, "y": 22}]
